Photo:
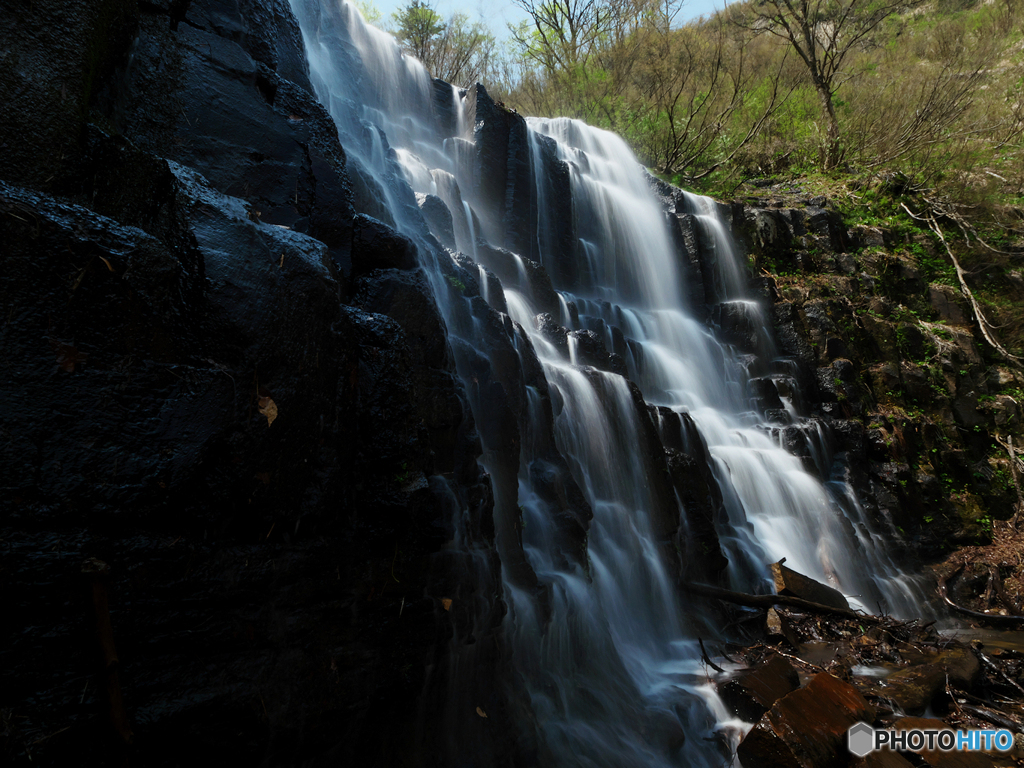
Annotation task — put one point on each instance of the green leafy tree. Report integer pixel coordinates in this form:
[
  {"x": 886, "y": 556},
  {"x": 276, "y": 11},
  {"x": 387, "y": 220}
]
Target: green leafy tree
[
  {"x": 370, "y": 12},
  {"x": 563, "y": 33},
  {"x": 455, "y": 50},
  {"x": 672, "y": 91},
  {"x": 417, "y": 28}
]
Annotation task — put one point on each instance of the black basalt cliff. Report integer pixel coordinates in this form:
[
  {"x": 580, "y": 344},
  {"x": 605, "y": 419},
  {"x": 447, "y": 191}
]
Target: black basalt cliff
[{"x": 233, "y": 437}]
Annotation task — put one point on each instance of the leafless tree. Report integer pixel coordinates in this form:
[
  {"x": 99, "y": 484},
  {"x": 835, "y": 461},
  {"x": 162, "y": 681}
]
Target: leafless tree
[{"x": 824, "y": 33}]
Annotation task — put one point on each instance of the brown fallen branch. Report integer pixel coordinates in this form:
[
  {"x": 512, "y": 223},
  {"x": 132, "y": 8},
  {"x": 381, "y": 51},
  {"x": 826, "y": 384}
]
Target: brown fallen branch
[
  {"x": 995, "y": 619},
  {"x": 1015, "y": 473},
  {"x": 959, "y": 695},
  {"x": 986, "y": 661},
  {"x": 769, "y": 601},
  {"x": 996, "y": 718},
  {"x": 707, "y": 659},
  {"x": 994, "y": 588},
  {"x": 983, "y": 324},
  {"x": 96, "y": 573},
  {"x": 795, "y": 659},
  {"x": 952, "y": 697}
]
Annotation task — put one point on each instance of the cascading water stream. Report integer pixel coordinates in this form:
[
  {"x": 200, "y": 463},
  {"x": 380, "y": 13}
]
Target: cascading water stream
[
  {"x": 791, "y": 513},
  {"x": 606, "y": 650}
]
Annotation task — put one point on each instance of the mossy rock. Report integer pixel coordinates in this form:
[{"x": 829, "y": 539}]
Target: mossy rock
[{"x": 975, "y": 520}]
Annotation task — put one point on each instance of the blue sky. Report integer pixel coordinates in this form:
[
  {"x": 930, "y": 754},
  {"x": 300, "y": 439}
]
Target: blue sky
[{"x": 497, "y": 14}]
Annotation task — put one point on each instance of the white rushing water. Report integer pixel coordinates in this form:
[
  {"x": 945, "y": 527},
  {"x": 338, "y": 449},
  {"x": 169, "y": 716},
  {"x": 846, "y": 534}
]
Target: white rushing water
[{"x": 610, "y": 654}]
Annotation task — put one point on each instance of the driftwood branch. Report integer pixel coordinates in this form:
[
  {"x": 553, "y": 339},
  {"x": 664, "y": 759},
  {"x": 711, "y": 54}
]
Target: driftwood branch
[
  {"x": 983, "y": 324},
  {"x": 992, "y": 666},
  {"x": 1016, "y": 483},
  {"x": 768, "y": 601},
  {"x": 707, "y": 659},
  {"x": 996, "y": 718},
  {"x": 1015, "y": 469},
  {"x": 989, "y": 618}
]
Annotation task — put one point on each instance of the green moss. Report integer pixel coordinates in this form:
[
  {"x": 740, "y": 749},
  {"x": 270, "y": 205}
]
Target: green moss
[{"x": 976, "y": 520}]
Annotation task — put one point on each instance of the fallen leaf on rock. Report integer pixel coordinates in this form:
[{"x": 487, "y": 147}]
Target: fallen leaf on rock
[
  {"x": 446, "y": 602},
  {"x": 269, "y": 409},
  {"x": 481, "y": 712},
  {"x": 67, "y": 355}
]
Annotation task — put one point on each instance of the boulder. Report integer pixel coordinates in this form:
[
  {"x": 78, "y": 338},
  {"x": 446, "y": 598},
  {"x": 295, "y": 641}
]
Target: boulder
[
  {"x": 503, "y": 173},
  {"x": 962, "y": 665},
  {"x": 937, "y": 758},
  {"x": 552, "y": 331},
  {"x": 737, "y": 323},
  {"x": 522, "y": 274},
  {"x": 778, "y": 627},
  {"x": 789, "y": 582},
  {"x": 765, "y": 393},
  {"x": 752, "y": 692},
  {"x": 913, "y": 689},
  {"x": 701, "y": 498},
  {"x": 438, "y": 218},
  {"x": 590, "y": 350},
  {"x": 806, "y": 728},
  {"x": 684, "y": 234},
  {"x": 557, "y": 241},
  {"x": 375, "y": 245},
  {"x": 948, "y": 304}
]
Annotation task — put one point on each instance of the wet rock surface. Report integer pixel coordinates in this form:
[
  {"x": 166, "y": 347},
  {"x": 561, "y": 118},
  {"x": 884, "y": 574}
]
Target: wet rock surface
[
  {"x": 267, "y": 470},
  {"x": 789, "y": 582},
  {"x": 874, "y": 670},
  {"x": 752, "y": 692},
  {"x": 806, "y": 727},
  {"x": 935, "y": 757}
]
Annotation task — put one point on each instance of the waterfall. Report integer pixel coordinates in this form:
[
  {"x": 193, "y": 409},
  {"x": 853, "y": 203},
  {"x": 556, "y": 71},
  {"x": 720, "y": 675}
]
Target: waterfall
[{"x": 603, "y": 363}]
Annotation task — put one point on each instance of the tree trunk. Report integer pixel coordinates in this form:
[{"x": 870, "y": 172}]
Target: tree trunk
[{"x": 831, "y": 152}]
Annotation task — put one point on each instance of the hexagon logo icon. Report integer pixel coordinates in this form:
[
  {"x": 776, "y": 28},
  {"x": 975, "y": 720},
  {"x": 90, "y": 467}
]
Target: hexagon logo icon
[{"x": 861, "y": 739}]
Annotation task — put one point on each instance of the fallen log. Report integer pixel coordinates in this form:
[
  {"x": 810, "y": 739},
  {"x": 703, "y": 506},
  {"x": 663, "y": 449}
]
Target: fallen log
[
  {"x": 996, "y": 718},
  {"x": 994, "y": 668},
  {"x": 995, "y": 619},
  {"x": 769, "y": 601}
]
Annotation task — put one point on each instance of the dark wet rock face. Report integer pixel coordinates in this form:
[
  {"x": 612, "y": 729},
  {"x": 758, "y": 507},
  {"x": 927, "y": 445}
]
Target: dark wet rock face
[
  {"x": 194, "y": 398},
  {"x": 57, "y": 59},
  {"x": 752, "y": 692},
  {"x": 151, "y": 341},
  {"x": 806, "y": 728},
  {"x": 505, "y": 181}
]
